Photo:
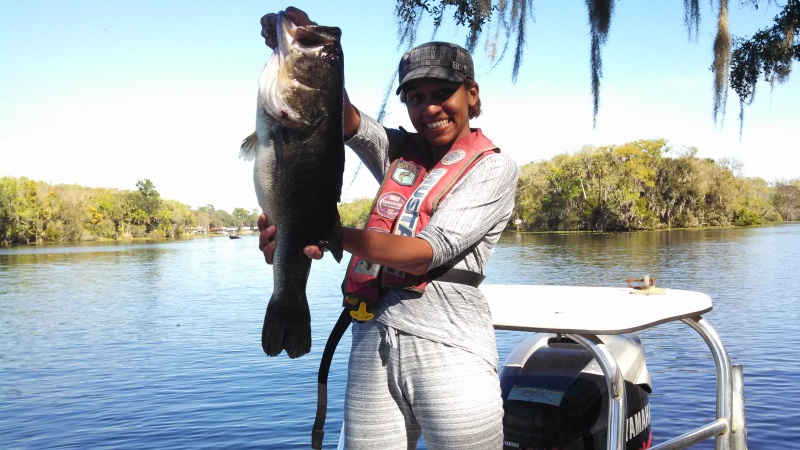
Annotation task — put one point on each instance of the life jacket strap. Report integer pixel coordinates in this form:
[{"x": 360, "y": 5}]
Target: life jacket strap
[
  {"x": 451, "y": 275},
  {"x": 341, "y": 326}
]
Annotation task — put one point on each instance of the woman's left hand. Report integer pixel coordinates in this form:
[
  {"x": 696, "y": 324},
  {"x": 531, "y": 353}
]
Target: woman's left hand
[{"x": 267, "y": 242}]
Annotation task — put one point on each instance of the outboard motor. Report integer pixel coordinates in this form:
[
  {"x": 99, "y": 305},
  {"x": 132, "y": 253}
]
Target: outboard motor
[{"x": 555, "y": 395}]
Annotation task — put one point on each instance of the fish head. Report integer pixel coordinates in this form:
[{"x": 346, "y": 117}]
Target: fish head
[{"x": 306, "y": 67}]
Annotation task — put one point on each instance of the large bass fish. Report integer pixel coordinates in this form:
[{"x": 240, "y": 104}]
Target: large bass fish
[{"x": 298, "y": 149}]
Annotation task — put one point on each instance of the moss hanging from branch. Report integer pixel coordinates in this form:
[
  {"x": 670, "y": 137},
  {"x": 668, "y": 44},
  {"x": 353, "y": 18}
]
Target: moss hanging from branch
[
  {"x": 769, "y": 51},
  {"x": 691, "y": 18},
  {"x": 600, "y": 12},
  {"x": 520, "y": 14},
  {"x": 722, "y": 62}
]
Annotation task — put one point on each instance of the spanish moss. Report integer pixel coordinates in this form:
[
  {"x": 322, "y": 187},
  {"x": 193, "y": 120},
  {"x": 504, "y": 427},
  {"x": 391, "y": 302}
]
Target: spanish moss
[
  {"x": 408, "y": 13},
  {"x": 522, "y": 18},
  {"x": 600, "y": 12},
  {"x": 769, "y": 52},
  {"x": 491, "y": 44},
  {"x": 483, "y": 12},
  {"x": 691, "y": 18},
  {"x": 722, "y": 63}
]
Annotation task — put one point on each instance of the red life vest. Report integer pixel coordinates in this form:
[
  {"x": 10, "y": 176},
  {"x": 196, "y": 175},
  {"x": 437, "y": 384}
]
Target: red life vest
[{"x": 408, "y": 197}]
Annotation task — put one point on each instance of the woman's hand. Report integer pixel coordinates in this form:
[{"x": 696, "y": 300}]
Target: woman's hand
[
  {"x": 269, "y": 29},
  {"x": 267, "y": 242}
]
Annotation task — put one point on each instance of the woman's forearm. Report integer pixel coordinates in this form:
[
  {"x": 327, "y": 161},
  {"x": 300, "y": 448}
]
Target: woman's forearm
[
  {"x": 351, "y": 118},
  {"x": 409, "y": 254}
]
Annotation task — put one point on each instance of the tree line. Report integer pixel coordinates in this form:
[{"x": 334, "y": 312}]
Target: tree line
[
  {"x": 34, "y": 211},
  {"x": 641, "y": 185},
  {"x": 645, "y": 185}
]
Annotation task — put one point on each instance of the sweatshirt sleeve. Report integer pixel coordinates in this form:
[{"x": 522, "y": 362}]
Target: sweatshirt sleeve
[
  {"x": 478, "y": 207},
  {"x": 373, "y": 143}
]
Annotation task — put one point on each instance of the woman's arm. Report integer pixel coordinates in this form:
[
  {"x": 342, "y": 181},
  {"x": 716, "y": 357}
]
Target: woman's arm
[
  {"x": 409, "y": 254},
  {"x": 352, "y": 119}
]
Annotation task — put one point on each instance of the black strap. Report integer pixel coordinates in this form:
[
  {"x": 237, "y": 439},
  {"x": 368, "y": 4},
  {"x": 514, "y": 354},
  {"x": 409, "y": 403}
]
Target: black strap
[
  {"x": 317, "y": 432},
  {"x": 451, "y": 275}
]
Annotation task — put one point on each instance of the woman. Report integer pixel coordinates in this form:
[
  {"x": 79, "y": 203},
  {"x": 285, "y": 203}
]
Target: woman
[{"x": 426, "y": 364}]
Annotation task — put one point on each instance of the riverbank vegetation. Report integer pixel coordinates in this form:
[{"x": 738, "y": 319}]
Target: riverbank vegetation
[
  {"x": 645, "y": 185},
  {"x": 34, "y": 211},
  {"x": 641, "y": 185}
]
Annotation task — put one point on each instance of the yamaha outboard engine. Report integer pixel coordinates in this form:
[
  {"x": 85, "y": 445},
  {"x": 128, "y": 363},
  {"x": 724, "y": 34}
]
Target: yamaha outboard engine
[{"x": 555, "y": 395}]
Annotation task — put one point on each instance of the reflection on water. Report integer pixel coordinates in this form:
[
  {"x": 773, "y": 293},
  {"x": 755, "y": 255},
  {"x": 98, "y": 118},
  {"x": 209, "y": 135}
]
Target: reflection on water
[{"x": 158, "y": 344}]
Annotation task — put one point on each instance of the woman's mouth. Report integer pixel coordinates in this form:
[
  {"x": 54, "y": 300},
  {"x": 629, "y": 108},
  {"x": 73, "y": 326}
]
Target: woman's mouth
[{"x": 437, "y": 124}]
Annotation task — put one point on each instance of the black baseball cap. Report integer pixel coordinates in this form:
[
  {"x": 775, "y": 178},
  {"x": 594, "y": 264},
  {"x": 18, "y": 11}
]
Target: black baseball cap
[{"x": 441, "y": 60}]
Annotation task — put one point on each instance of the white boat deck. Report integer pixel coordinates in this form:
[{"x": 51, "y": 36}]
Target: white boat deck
[{"x": 589, "y": 310}]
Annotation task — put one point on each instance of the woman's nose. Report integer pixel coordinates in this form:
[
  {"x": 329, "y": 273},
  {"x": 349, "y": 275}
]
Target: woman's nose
[{"x": 433, "y": 108}]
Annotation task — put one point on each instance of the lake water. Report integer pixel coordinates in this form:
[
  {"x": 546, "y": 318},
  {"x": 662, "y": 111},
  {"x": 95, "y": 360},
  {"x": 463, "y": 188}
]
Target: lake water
[{"x": 157, "y": 345}]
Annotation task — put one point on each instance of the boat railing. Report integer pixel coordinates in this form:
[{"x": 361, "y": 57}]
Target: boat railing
[{"x": 582, "y": 313}]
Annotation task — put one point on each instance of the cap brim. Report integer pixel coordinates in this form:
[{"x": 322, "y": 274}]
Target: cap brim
[{"x": 435, "y": 72}]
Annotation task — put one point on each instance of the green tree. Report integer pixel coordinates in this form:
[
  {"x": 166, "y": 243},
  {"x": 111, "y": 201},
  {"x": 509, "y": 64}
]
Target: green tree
[
  {"x": 562, "y": 201},
  {"x": 19, "y": 210},
  {"x": 768, "y": 54},
  {"x": 675, "y": 182},
  {"x": 531, "y": 188},
  {"x": 241, "y": 217},
  {"x": 355, "y": 213},
  {"x": 149, "y": 203},
  {"x": 12, "y": 227},
  {"x": 786, "y": 199}
]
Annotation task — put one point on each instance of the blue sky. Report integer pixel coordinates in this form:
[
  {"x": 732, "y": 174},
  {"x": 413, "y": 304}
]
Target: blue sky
[{"x": 103, "y": 93}]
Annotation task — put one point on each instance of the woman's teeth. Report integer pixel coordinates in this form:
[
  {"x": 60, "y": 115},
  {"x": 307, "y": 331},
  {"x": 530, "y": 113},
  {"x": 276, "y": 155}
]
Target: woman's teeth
[{"x": 438, "y": 124}]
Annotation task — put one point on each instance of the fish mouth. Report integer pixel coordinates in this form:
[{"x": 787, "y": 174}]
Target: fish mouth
[
  {"x": 286, "y": 32},
  {"x": 309, "y": 38},
  {"x": 294, "y": 74}
]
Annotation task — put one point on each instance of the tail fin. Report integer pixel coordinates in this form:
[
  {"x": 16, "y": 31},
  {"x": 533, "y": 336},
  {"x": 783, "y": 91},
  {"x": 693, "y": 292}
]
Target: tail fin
[{"x": 286, "y": 326}]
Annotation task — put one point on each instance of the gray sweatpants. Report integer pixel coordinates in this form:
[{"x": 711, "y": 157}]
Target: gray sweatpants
[{"x": 401, "y": 387}]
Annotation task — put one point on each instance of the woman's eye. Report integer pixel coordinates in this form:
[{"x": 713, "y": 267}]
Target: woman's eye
[{"x": 445, "y": 93}]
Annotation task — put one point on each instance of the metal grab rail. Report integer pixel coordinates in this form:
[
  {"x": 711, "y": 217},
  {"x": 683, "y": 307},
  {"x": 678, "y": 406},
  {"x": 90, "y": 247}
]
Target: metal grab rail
[
  {"x": 730, "y": 435},
  {"x": 617, "y": 402}
]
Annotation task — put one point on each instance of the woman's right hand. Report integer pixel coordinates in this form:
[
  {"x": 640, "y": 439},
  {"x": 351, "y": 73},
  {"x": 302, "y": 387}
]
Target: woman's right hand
[
  {"x": 267, "y": 242},
  {"x": 269, "y": 28}
]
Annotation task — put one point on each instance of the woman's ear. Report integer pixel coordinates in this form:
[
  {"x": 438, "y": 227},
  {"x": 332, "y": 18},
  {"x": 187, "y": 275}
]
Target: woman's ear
[{"x": 474, "y": 93}]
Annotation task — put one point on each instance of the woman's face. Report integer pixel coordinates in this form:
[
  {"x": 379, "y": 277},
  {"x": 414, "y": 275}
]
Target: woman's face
[{"x": 439, "y": 110}]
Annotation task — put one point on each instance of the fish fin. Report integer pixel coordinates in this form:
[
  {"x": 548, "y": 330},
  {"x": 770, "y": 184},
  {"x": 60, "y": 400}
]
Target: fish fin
[
  {"x": 248, "y": 148},
  {"x": 334, "y": 242},
  {"x": 286, "y": 327}
]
